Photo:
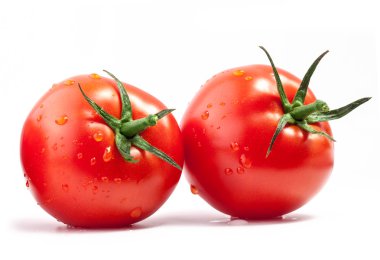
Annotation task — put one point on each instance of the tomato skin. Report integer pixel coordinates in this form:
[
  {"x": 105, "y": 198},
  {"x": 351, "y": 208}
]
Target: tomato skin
[
  {"x": 227, "y": 129},
  {"x": 72, "y": 164}
]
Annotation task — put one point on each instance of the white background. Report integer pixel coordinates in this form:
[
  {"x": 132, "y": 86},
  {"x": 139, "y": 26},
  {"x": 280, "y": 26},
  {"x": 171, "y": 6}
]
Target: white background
[{"x": 170, "y": 48}]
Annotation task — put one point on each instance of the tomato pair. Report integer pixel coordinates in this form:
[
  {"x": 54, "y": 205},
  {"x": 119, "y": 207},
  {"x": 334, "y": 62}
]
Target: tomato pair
[{"x": 97, "y": 152}]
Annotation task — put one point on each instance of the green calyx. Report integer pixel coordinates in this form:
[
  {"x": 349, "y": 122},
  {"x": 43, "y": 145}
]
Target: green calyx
[
  {"x": 127, "y": 130},
  {"x": 302, "y": 115}
]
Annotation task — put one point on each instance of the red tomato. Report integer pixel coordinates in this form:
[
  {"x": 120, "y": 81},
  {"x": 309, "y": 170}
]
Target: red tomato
[
  {"x": 227, "y": 130},
  {"x": 73, "y": 166}
]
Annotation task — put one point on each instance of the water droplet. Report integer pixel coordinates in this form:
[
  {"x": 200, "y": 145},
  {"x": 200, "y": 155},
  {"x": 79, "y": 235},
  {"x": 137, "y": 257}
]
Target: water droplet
[
  {"x": 93, "y": 161},
  {"x": 205, "y": 115},
  {"x": 69, "y": 82},
  {"x": 95, "y": 76},
  {"x": 199, "y": 144},
  {"x": 65, "y": 187},
  {"x": 80, "y": 156},
  {"x": 95, "y": 189},
  {"x": 228, "y": 171},
  {"x": 240, "y": 170},
  {"x": 27, "y": 184},
  {"x": 246, "y": 162},
  {"x": 222, "y": 104},
  {"x": 209, "y": 105},
  {"x": 105, "y": 179},
  {"x": 39, "y": 117},
  {"x": 55, "y": 146},
  {"x": 248, "y": 78},
  {"x": 238, "y": 73},
  {"x": 107, "y": 155},
  {"x": 246, "y": 148},
  {"x": 193, "y": 189},
  {"x": 136, "y": 212},
  {"x": 234, "y": 146},
  {"x": 98, "y": 136},
  {"x": 43, "y": 150},
  {"x": 117, "y": 180},
  {"x": 61, "y": 120},
  {"x": 237, "y": 222}
]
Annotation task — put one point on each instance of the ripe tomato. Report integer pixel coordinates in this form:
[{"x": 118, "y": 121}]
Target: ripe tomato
[
  {"x": 76, "y": 169},
  {"x": 227, "y": 131}
]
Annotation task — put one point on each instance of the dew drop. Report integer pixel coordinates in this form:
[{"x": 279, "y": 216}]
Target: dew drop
[
  {"x": 193, "y": 189},
  {"x": 238, "y": 73},
  {"x": 246, "y": 162},
  {"x": 93, "y": 161},
  {"x": 234, "y": 146},
  {"x": 98, "y": 136},
  {"x": 209, "y": 105},
  {"x": 95, "y": 189},
  {"x": 246, "y": 148},
  {"x": 69, "y": 82},
  {"x": 240, "y": 170},
  {"x": 117, "y": 180},
  {"x": 61, "y": 120},
  {"x": 95, "y": 76},
  {"x": 205, "y": 115},
  {"x": 27, "y": 184},
  {"x": 228, "y": 171},
  {"x": 248, "y": 78},
  {"x": 65, "y": 187},
  {"x": 105, "y": 179},
  {"x": 80, "y": 156},
  {"x": 199, "y": 144},
  {"x": 107, "y": 155},
  {"x": 136, "y": 212}
]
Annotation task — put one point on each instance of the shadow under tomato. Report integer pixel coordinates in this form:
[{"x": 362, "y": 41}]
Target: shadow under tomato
[
  {"x": 217, "y": 220},
  {"x": 42, "y": 226},
  {"x": 178, "y": 219}
]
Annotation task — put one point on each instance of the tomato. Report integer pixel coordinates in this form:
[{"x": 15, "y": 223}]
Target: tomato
[
  {"x": 88, "y": 172},
  {"x": 249, "y": 152}
]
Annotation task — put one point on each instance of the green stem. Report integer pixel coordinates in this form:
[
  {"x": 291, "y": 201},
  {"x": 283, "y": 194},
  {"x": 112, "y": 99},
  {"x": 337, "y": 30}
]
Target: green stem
[
  {"x": 301, "y": 112},
  {"x": 132, "y": 128}
]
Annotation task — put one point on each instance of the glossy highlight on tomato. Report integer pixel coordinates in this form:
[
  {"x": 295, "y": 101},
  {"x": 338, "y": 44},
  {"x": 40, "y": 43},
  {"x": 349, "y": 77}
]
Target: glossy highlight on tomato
[
  {"x": 73, "y": 164},
  {"x": 249, "y": 152}
]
